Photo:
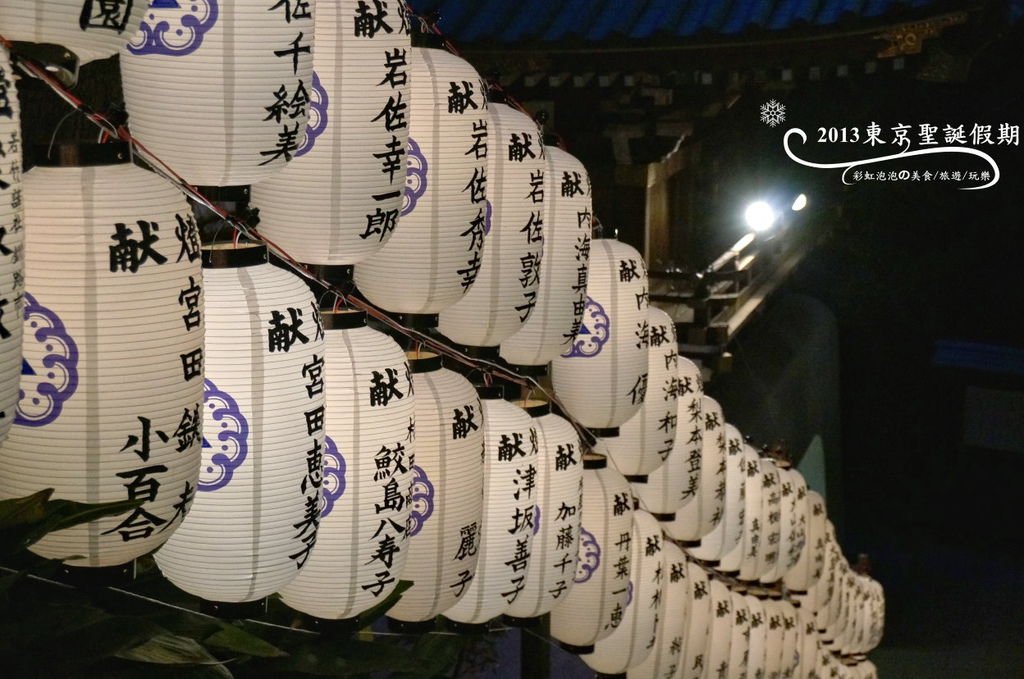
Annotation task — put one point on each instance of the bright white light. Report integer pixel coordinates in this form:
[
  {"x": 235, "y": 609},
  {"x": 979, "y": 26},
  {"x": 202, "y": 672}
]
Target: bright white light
[
  {"x": 800, "y": 203},
  {"x": 760, "y": 216}
]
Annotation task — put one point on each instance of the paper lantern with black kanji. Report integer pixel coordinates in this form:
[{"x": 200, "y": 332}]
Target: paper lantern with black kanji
[
  {"x": 698, "y": 627},
  {"x": 339, "y": 200},
  {"x": 664, "y": 660},
  {"x": 726, "y": 535},
  {"x": 792, "y": 523},
  {"x": 556, "y": 516},
  {"x": 435, "y": 254},
  {"x": 757, "y": 653},
  {"x": 766, "y": 549},
  {"x": 92, "y": 29},
  {"x": 510, "y": 498},
  {"x": 595, "y": 605},
  {"x": 221, "y": 91},
  {"x": 368, "y": 459},
  {"x": 253, "y": 523},
  {"x": 774, "y": 638},
  {"x": 808, "y": 648},
  {"x": 12, "y": 251},
  {"x": 505, "y": 292},
  {"x": 749, "y": 543},
  {"x": 112, "y": 376},
  {"x": 719, "y": 643},
  {"x": 739, "y": 644},
  {"x": 646, "y": 440},
  {"x": 447, "y": 491},
  {"x": 792, "y": 636},
  {"x": 632, "y": 641},
  {"x": 696, "y": 519},
  {"x": 805, "y": 573},
  {"x": 562, "y": 295},
  {"x": 676, "y": 482},
  {"x": 602, "y": 378}
]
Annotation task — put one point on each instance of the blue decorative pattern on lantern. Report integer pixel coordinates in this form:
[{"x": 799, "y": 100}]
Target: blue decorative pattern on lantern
[
  {"x": 594, "y": 332},
  {"x": 589, "y": 557},
  {"x": 318, "y": 103},
  {"x": 415, "y": 177},
  {"x": 422, "y": 500},
  {"x": 334, "y": 477},
  {"x": 191, "y": 19},
  {"x": 232, "y": 439},
  {"x": 49, "y": 368}
]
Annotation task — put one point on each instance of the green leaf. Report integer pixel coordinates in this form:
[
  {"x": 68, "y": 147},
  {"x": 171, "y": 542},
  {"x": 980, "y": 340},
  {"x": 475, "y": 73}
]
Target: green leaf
[
  {"x": 235, "y": 639},
  {"x": 25, "y": 521},
  {"x": 371, "y": 616},
  {"x": 170, "y": 649},
  {"x": 20, "y": 511}
]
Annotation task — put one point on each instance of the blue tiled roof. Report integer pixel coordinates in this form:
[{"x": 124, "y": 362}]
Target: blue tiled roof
[{"x": 512, "y": 21}]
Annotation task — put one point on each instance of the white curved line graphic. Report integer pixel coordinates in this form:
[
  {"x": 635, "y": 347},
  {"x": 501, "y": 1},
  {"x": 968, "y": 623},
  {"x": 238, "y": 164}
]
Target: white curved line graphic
[{"x": 902, "y": 154}]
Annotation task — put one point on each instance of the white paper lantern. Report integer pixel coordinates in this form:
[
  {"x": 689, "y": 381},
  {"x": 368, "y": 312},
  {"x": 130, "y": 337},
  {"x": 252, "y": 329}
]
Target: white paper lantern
[
  {"x": 739, "y": 644},
  {"x": 597, "y": 602},
  {"x": 748, "y": 546},
  {"x": 112, "y": 382},
  {"x": 368, "y": 496},
  {"x": 646, "y": 440},
  {"x": 253, "y": 523},
  {"x": 339, "y": 201},
  {"x": 632, "y": 641},
  {"x": 12, "y": 238},
  {"x": 664, "y": 660},
  {"x": 221, "y": 91},
  {"x": 602, "y": 378},
  {"x": 434, "y": 256},
  {"x": 556, "y": 516},
  {"x": 92, "y": 29},
  {"x": 758, "y": 637},
  {"x": 793, "y": 634},
  {"x": 510, "y": 497},
  {"x": 792, "y": 523},
  {"x": 675, "y": 483},
  {"x": 447, "y": 491},
  {"x": 774, "y": 639},
  {"x": 808, "y": 648},
  {"x": 771, "y": 523},
  {"x": 698, "y": 627},
  {"x": 505, "y": 292},
  {"x": 805, "y": 573},
  {"x": 561, "y": 298},
  {"x": 719, "y": 644},
  {"x": 726, "y": 535},
  {"x": 697, "y": 519}
]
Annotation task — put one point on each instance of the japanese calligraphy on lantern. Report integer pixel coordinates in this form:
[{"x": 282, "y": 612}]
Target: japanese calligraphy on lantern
[{"x": 12, "y": 255}]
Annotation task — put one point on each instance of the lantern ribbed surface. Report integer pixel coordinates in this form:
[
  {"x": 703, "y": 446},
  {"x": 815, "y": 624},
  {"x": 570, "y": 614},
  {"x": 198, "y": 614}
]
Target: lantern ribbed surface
[
  {"x": 505, "y": 292},
  {"x": 447, "y": 494},
  {"x": 758, "y": 637},
  {"x": 435, "y": 254},
  {"x": 726, "y": 535},
  {"x": 749, "y": 541},
  {"x": 557, "y": 518},
  {"x": 739, "y": 644},
  {"x": 221, "y": 90},
  {"x": 562, "y": 295},
  {"x": 675, "y": 483},
  {"x": 792, "y": 635},
  {"x": 696, "y": 519},
  {"x": 719, "y": 642},
  {"x": 90, "y": 28},
  {"x": 646, "y": 440},
  {"x": 597, "y": 602},
  {"x": 112, "y": 383},
  {"x": 808, "y": 648},
  {"x": 774, "y": 638},
  {"x": 771, "y": 522},
  {"x": 339, "y": 200},
  {"x": 793, "y": 494},
  {"x": 602, "y": 378},
  {"x": 665, "y": 659},
  {"x": 12, "y": 238},
  {"x": 807, "y": 569},
  {"x": 698, "y": 625},
  {"x": 632, "y": 641},
  {"x": 369, "y": 449},
  {"x": 507, "y": 528},
  {"x": 254, "y": 519}
]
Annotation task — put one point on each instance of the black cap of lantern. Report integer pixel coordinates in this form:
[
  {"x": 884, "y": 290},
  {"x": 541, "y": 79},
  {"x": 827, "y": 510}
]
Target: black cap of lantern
[
  {"x": 343, "y": 319},
  {"x": 226, "y": 194},
  {"x": 483, "y": 353},
  {"x": 234, "y": 610},
  {"x": 336, "y": 629},
  {"x": 538, "y": 409},
  {"x": 246, "y": 254},
  {"x": 594, "y": 461},
  {"x": 689, "y": 543},
  {"x": 427, "y": 363},
  {"x": 601, "y": 675},
  {"x": 492, "y": 392},
  {"x": 636, "y": 478},
  {"x": 106, "y": 576},
  {"x": 416, "y": 321},
  {"x": 474, "y": 628},
  {"x": 576, "y": 650},
  {"x": 59, "y": 61},
  {"x": 81, "y": 155},
  {"x": 528, "y": 623},
  {"x": 664, "y": 517},
  {"x": 528, "y": 370},
  {"x": 605, "y": 432},
  {"x": 338, "y": 275},
  {"x": 407, "y": 627}
]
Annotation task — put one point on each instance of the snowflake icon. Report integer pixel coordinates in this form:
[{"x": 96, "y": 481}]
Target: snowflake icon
[{"x": 773, "y": 113}]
